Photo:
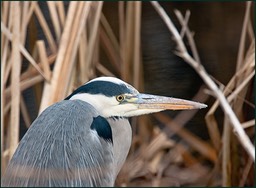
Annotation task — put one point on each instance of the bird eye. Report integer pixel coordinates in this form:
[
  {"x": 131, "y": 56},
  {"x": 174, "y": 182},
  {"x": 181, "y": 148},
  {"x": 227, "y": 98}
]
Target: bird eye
[{"x": 120, "y": 98}]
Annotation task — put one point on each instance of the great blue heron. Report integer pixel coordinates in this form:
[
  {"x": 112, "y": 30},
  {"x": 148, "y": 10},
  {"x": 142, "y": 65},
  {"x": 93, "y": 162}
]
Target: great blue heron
[{"x": 84, "y": 139}]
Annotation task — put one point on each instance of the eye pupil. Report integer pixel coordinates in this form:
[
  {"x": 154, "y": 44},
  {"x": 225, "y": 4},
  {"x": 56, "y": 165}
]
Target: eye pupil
[{"x": 120, "y": 98}]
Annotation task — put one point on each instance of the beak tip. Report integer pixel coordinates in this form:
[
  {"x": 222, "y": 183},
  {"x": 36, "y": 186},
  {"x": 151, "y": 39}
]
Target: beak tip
[{"x": 203, "y": 106}]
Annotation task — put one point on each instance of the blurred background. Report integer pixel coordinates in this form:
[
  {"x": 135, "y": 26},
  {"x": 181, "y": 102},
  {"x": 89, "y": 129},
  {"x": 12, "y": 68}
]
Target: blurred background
[{"x": 50, "y": 48}]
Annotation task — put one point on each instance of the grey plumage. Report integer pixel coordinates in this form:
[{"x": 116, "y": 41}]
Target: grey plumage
[{"x": 62, "y": 154}]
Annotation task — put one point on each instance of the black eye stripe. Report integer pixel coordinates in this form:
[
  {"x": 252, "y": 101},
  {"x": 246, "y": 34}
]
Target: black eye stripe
[{"x": 106, "y": 88}]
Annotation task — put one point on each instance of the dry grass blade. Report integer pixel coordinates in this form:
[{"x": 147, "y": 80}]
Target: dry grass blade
[
  {"x": 243, "y": 35},
  {"x": 61, "y": 11},
  {"x": 244, "y": 140},
  {"x": 29, "y": 78},
  {"x": 55, "y": 20},
  {"x": 24, "y": 112},
  {"x": 44, "y": 59},
  {"x": 24, "y": 84},
  {"x": 4, "y": 17},
  {"x": 226, "y": 154},
  {"x": 248, "y": 124},
  {"x": 76, "y": 17},
  {"x": 136, "y": 50},
  {"x": 201, "y": 146},
  {"x": 85, "y": 69},
  {"x": 22, "y": 49},
  {"x": 4, "y": 73},
  {"x": 45, "y": 27},
  {"x": 122, "y": 29},
  {"x": 94, "y": 33},
  {"x": 26, "y": 15},
  {"x": 248, "y": 166},
  {"x": 212, "y": 127},
  {"x": 111, "y": 51},
  {"x": 111, "y": 37},
  {"x": 128, "y": 43}
]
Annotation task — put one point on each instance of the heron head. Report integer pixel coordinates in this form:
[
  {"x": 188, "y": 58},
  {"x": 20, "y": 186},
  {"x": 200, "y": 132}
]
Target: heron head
[{"x": 112, "y": 97}]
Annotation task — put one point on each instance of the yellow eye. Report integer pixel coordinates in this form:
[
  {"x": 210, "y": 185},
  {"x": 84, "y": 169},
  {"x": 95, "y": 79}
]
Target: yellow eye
[{"x": 120, "y": 98}]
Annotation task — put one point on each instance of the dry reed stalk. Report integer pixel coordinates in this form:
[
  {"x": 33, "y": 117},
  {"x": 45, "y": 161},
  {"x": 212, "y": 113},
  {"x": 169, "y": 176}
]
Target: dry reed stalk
[
  {"x": 183, "y": 117},
  {"x": 6, "y": 65},
  {"x": 24, "y": 112},
  {"x": 111, "y": 52},
  {"x": 93, "y": 34},
  {"x": 22, "y": 49},
  {"x": 24, "y": 21},
  {"x": 84, "y": 68},
  {"x": 25, "y": 84},
  {"x": 243, "y": 35},
  {"x": 226, "y": 153},
  {"x": 188, "y": 158},
  {"x": 211, "y": 125},
  {"x": 43, "y": 59},
  {"x": 128, "y": 42},
  {"x": 54, "y": 18},
  {"x": 110, "y": 42},
  {"x": 160, "y": 142},
  {"x": 201, "y": 146},
  {"x": 210, "y": 119},
  {"x": 47, "y": 91},
  {"x": 183, "y": 53},
  {"x": 239, "y": 82},
  {"x": 61, "y": 12},
  {"x": 75, "y": 21},
  {"x": 136, "y": 48},
  {"x": 46, "y": 67},
  {"x": 155, "y": 162},
  {"x": 96, "y": 52},
  {"x": 28, "y": 79},
  {"x": 245, "y": 173},
  {"x": 45, "y": 27},
  {"x": 248, "y": 124},
  {"x": 121, "y": 16},
  {"x": 68, "y": 62},
  {"x": 213, "y": 129},
  {"x": 4, "y": 74},
  {"x": 4, "y": 16},
  {"x": 241, "y": 90},
  {"x": 15, "y": 79},
  {"x": 33, "y": 72}
]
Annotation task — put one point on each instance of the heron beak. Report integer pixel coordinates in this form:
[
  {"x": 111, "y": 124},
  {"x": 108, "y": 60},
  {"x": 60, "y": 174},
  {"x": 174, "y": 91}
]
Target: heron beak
[{"x": 146, "y": 101}]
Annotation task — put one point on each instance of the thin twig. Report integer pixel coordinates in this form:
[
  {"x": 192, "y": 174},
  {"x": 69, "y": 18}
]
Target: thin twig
[
  {"x": 191, "y": 41},
  {"x": 248, "y": 124},
  {"x": 22, "y": 49},
  {"x": 244, "y": 139},
  {"x": 243, "y": 36}
]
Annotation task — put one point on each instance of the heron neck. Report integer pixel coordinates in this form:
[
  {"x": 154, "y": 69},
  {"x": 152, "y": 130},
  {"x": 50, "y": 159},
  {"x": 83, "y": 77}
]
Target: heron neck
[{"x": 122, "y": 137}]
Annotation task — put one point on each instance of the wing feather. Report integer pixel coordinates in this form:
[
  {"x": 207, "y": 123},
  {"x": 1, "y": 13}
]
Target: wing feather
[{"x": 59, "y": 150}]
